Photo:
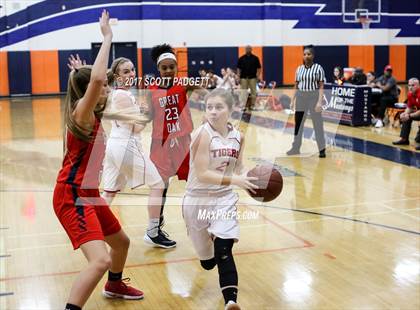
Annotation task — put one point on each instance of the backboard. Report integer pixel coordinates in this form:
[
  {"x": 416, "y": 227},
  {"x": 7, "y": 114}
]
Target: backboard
[{"x": 355, "y": 10}]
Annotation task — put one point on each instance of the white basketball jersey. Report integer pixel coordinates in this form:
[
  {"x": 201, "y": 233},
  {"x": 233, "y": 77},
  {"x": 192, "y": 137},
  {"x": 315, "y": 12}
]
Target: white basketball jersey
[
  {"x": 223, "y": 155},
  {"x": 121, "y": 129}
]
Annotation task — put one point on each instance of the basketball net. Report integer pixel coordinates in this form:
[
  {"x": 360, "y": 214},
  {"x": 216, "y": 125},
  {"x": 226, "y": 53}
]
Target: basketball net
[{"x": 365, "y": 21}]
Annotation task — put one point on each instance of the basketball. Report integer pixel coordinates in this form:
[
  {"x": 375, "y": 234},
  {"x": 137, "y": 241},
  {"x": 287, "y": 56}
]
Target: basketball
[{"x": 270, "y": 183}]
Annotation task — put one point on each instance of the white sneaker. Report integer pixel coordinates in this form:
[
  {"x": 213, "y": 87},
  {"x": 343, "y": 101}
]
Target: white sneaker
[
  {"x": 231, "y": 305},
  {"x": 379, "y": 124}
]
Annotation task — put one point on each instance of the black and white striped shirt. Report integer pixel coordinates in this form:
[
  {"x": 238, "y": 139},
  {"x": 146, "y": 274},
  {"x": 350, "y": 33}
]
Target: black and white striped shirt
[{"x": 308, "y": 78}]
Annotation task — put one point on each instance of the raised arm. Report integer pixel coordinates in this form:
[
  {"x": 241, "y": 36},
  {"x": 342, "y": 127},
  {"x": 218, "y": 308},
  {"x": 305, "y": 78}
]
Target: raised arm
[{"x": 84, "y": 112}]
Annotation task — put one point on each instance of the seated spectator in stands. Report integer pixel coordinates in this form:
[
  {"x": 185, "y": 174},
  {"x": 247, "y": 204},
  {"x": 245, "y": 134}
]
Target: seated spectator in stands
[
  {"x": 228, "y": 79},
  {"x": 388, "y": 84},
  {"x": 338, "y": 76},
  {"x": 370, "y": 79},
  {"x": 413, "y": 105},
  {"x": 348, "y": 73},
  {"x": 260, "y": 85},
  {"x": 375, "y": 95},
  {"x": 202, "y": 73},
  {"x": 358, "y": 78},
  {"x": 233, "y": 77},
  {"x": 214, "y": 80}
]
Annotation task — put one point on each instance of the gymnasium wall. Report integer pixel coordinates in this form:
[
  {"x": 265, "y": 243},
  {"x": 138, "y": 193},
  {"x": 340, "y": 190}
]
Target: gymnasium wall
[{"x": 36, "y": 37}]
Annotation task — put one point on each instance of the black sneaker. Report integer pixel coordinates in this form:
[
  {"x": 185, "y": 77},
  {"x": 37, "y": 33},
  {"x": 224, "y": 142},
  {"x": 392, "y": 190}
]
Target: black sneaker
[
  {"x": 161, "y": 240},
  {"x": 401, "y": 142},
  {"x": 322, "y": 154},
  {"x": 293, "y": 151}
]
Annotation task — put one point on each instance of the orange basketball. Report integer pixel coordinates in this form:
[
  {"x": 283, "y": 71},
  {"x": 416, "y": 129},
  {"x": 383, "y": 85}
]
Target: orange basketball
[{"x": 270, "y": 182}]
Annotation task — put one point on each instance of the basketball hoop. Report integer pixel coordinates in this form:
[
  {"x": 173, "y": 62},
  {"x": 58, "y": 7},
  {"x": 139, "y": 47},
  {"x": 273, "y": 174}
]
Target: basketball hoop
[{"x": 365, "y": 21}]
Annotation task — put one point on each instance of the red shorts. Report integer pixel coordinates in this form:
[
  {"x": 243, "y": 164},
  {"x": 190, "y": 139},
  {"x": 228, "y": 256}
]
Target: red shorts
[
  {"x": 83, "y": 213},
  {"x": 172, "y": 158}
]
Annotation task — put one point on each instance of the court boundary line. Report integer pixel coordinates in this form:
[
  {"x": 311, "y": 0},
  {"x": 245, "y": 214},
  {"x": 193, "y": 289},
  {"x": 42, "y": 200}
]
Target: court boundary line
[
  {"x": 160, "y": 262},
  {"x": 346, "y": 219},
  {"x": 246, "y": 204},
  {"x": 305, "y": 244}
]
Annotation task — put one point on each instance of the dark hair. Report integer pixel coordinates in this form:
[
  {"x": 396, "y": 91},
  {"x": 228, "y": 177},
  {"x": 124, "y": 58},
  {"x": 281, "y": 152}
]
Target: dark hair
[
  {"x": 341, "y": 72},
  {"x": 371, "y": 72},
  {"x": 159, "y": 50},
  {"x": 222, "y": 93},
  {"x": 310, "y": 47}
]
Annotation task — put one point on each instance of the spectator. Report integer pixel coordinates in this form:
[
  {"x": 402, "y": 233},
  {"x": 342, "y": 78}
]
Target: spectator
[
  {"x": 215, "y": 81},
  {"x": 228, "y": 79},
  {"x": 235, "y": 78},
  {"x": 413, "y": 105},
  {"x": 338, "y": 77},
  {"x": 249, "y": 69},
  {"x": 358, "y": 78},
  {"x": 348, "y": 73},
  {"x": 388, "y": 84},
  {"x": 375, "y": 96},
  {"x": 370, "y": 79},
  {"x": 202, "y": 72}
]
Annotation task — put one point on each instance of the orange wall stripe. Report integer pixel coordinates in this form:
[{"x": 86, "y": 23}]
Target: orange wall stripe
[
  {"x": 292, "y": 58},
  {"x": 257, "y": 51},
  {"x": 4, "y": 77},
  {"x": 398, "y": 61},
  {"x": 45, "y": 75},
  {"x": 47, "y": 118},
  {"x": 182, "y": 58},
  {"x": 362, "y": 56},
  {"x": 5, "y": 120}
]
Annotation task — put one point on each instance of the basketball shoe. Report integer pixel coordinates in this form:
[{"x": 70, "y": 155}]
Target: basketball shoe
[
  {"x": 161, "y": 240},
  {"x": 231, "y": 305},
  {"x": 121, "y": 289}
]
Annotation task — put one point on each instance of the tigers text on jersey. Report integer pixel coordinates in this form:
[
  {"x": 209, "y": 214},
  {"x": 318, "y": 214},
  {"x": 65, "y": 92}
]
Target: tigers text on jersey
[{"x": 223, "y": 155}]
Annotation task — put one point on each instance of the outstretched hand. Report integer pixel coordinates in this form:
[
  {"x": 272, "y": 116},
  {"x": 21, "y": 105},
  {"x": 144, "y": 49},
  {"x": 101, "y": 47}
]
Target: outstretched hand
[
  {"x": 104, "y": 23},
  {"x": 75, "y": 63}
]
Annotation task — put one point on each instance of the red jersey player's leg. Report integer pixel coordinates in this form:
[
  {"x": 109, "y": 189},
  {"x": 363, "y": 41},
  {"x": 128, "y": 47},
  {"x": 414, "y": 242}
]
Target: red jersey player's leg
[{"x": 182, "y": 157}]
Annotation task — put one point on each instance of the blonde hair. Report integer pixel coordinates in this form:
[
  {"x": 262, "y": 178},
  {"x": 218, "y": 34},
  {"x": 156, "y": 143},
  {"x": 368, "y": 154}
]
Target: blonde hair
[{"x": 114, "y": 68}]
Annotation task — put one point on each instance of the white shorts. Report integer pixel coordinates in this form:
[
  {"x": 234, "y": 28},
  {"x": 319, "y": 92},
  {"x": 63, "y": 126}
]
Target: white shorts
[
  {"x": 126, "y": 164},
  {"x": 209, "y": 217}
]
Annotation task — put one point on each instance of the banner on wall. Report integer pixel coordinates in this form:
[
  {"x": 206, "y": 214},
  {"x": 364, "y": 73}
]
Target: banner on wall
[{"x": 348, "y": 105}]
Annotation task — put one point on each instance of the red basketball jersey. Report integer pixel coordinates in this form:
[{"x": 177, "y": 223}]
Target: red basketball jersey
[
  {"x": 171, "y": 114},
  {"x": 82, "y": 162}
]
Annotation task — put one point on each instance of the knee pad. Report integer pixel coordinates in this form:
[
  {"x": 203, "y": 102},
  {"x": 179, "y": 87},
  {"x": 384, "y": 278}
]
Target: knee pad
[
  {"x": 228, "y": 276},
  {"x": 208, "y": 264},
  {"x": 223, "y": 249}
]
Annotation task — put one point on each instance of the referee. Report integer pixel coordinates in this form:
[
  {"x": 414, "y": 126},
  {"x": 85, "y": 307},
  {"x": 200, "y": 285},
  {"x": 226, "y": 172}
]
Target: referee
[{"x": 309, "y": 91}]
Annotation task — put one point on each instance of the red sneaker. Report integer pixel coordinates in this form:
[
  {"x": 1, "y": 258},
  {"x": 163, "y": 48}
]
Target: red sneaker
[{"x": 120, "y": 289}]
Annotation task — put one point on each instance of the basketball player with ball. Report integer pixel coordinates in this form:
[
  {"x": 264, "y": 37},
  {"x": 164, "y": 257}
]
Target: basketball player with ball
[{"x": 215, "y": 167}]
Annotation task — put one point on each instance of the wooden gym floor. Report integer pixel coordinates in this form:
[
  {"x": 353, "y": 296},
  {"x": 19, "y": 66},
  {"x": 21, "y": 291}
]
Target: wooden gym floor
[{"x": 344, "y": 233}]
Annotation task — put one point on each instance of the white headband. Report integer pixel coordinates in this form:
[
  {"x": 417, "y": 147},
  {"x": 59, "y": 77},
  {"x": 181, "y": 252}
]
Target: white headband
[{"x": 166, "y": 56}]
